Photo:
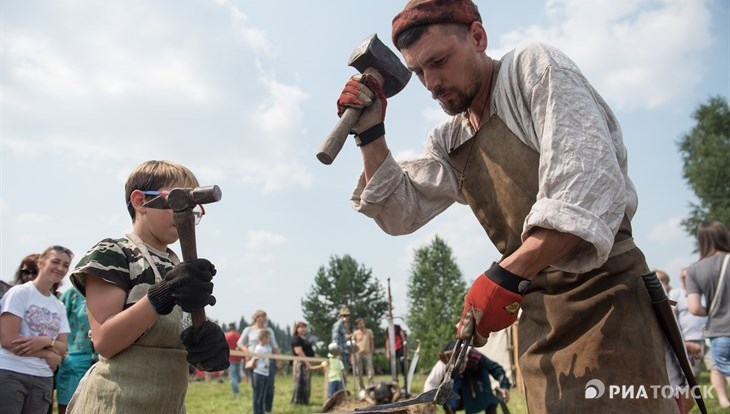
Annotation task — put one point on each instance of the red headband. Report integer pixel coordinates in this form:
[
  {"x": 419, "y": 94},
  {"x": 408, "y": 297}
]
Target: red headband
[{"x": 425, "y": 12}]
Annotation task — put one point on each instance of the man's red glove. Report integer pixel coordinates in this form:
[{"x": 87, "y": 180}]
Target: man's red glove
[
  {"x": 360, "y": 92},
  {"x": 491, "y": 304}
]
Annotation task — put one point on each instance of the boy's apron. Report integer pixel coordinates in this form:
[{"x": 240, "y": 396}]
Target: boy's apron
[
  {"x": 574, "y": 327},
  {"x": 151, "y": 376}
]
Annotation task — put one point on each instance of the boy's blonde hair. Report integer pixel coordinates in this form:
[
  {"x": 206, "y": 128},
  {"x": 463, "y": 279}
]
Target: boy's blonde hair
[
  {"x": 264, "y": 334},
  {"x": 153, "y": 175}
]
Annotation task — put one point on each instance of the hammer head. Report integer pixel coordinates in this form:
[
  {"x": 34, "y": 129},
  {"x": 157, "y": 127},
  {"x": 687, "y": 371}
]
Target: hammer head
[
  {"x": 372, "y": 53},
  {"x": 181, "y": 199}
]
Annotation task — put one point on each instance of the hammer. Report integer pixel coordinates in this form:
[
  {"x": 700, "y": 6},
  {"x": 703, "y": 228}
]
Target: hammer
[
  {"x": 371, "y": 56},
  {"x": 182, "y": 201}
]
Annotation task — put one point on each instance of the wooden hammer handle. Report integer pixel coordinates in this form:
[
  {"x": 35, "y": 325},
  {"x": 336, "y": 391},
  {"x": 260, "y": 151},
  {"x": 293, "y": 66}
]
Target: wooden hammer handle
[
  {"x": 185, "y": 222},
  {"x": 336, "y": 139}
]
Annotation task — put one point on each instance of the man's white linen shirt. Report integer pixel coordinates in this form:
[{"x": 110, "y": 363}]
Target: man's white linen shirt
[{"x": 543, "y": 98}]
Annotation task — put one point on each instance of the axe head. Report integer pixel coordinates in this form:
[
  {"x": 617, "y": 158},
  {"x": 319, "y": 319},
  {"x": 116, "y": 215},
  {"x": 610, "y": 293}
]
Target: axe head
[{"x": 372, "y": 53}]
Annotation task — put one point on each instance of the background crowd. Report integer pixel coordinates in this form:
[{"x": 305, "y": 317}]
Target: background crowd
[{"x": 46, "y": 346}]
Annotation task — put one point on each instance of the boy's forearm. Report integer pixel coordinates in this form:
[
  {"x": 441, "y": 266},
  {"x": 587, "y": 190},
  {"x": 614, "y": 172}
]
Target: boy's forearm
[{"x": 121, "y": 330}]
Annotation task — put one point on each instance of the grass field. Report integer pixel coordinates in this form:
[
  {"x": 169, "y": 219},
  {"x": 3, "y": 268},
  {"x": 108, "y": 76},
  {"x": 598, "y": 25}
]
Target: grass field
[{"x": 216, "y": 397}]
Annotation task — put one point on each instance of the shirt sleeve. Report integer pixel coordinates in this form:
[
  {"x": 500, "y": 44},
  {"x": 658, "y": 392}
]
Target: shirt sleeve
[
  {"x": 274, "y": 345},
  {"x": 497, "y": 372},
  {"x": 243, "y": 340},
  {"x": 403, "y": 196},
  {"x": 65, "y": 327},
  {"x": 107, "y": 261},
  {"x": 14, "y": 301},
  {"x": 435, "y": 376},
  {"x": 691, "y": 281},
  {"x": 584, "y": 187}
]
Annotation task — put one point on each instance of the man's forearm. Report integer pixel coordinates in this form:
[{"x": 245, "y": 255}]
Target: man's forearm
[
  {"x": 373, "y": 156},
  {"x": 541, "y": 248}
]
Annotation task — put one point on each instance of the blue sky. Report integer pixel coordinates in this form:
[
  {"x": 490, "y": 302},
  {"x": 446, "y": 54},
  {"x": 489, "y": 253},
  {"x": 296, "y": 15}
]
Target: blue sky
[{"x": 243, "y": 92}]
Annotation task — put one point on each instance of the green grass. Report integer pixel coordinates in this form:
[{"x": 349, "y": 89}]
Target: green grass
[
  {"x": 216, "y": 397},
  {"x": 713, "y": 406}
]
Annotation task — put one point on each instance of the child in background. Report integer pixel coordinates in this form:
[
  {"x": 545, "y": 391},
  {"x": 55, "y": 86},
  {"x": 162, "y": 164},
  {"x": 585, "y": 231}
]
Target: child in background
[
  {"x": 335, "y": 370},
  {"x": 81, "y": 354},
  {"x": 136, "y": 291},
  {"x": 261, "y": 371}
]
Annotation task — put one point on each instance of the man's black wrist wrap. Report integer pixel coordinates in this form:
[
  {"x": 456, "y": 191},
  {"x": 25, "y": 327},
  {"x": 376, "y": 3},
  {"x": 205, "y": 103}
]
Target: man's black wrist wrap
[
  {"x": 369, "y": 135},
  {"x": 160, "y": 298},
  {"x": 507, "y": 279}
]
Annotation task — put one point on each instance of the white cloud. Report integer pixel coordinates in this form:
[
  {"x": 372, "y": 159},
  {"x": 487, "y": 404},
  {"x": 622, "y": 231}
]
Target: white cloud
[
  {"x": 271, "y": 159},
  {"x": 45, "y": 65},
  {"x": 75, "y": 147},
  {"x": 666, "y": 231},
  {"x": 40, "y": 65},
  {"x": 629, "y": 49},
  {"x": 4, "y": 207},
  {"x": 33, "y": 219},
  {"x": 280, "y": 112},
  {"x": 209, "y": 174},
  {"x": 258, "y": 240},
  {"x": 254, "y": 37}
]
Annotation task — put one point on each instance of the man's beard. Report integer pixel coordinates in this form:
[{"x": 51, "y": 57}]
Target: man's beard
[{"x": 459, "y": 102}]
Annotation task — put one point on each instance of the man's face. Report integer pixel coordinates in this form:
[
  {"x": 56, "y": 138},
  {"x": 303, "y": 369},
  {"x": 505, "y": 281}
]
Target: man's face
[{"x": 446, "y": 64}]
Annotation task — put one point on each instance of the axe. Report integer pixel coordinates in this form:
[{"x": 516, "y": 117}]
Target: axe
[
  {"x": 182, "y": 201},
  {"x": 372, "y": 57}
]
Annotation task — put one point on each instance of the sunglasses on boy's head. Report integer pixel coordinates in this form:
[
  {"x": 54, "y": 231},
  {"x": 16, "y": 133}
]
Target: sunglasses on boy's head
[
  {"x": 26, "y": 271},
  {"x": 62, "y": 249},
  {"x": 198, "y": 212}
]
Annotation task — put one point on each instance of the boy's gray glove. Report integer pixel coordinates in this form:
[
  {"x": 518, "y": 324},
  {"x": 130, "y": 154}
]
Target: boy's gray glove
[
  {"x": 207, "y": 347},
  {"x": 188, "y": 285}
]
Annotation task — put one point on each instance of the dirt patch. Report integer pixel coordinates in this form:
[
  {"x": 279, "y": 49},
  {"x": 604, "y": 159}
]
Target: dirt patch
[{"x": 350, "y": 404}]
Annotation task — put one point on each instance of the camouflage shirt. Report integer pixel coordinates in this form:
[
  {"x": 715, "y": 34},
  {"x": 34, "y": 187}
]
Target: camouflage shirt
[{"x": 120, "y": 262}]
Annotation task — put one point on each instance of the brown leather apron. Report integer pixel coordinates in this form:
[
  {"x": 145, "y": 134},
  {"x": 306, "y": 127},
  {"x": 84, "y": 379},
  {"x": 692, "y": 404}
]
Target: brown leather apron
[{"x": 574, "y": 327}]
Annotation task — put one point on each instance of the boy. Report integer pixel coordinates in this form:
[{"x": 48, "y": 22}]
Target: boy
[
  {"x": 136, "y": 291},
  {"x": 335, "y": 370},
  {"x": 261, "y": 371}
]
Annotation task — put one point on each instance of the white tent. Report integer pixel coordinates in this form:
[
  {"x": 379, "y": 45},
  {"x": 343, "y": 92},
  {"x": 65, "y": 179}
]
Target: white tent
[{"x": 500, "y": 349}]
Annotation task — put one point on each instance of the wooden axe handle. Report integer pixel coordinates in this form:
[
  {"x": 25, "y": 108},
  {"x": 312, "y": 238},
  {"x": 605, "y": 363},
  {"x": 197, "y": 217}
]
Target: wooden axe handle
[{"x": 336, "y": 139}]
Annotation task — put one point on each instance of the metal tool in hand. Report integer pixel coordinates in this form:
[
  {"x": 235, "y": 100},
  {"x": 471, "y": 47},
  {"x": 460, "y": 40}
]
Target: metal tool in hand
[
  {"x": 424, "y": 398},
  {"x": 182, "y": 201},
  {"x": 452, "y": 370},
  {"x": 373, "y": 57},
  {"x": 440, "y": 395}
]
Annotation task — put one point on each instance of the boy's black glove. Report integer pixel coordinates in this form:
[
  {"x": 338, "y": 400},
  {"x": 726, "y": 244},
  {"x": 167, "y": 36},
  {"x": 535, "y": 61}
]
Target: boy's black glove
[
  {"x": 207, "y": 347},
  {"x": 188, "y": 284}
]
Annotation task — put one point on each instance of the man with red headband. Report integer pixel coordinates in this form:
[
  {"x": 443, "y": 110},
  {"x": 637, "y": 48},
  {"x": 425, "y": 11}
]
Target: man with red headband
[{"x": 539, "y": 157}]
